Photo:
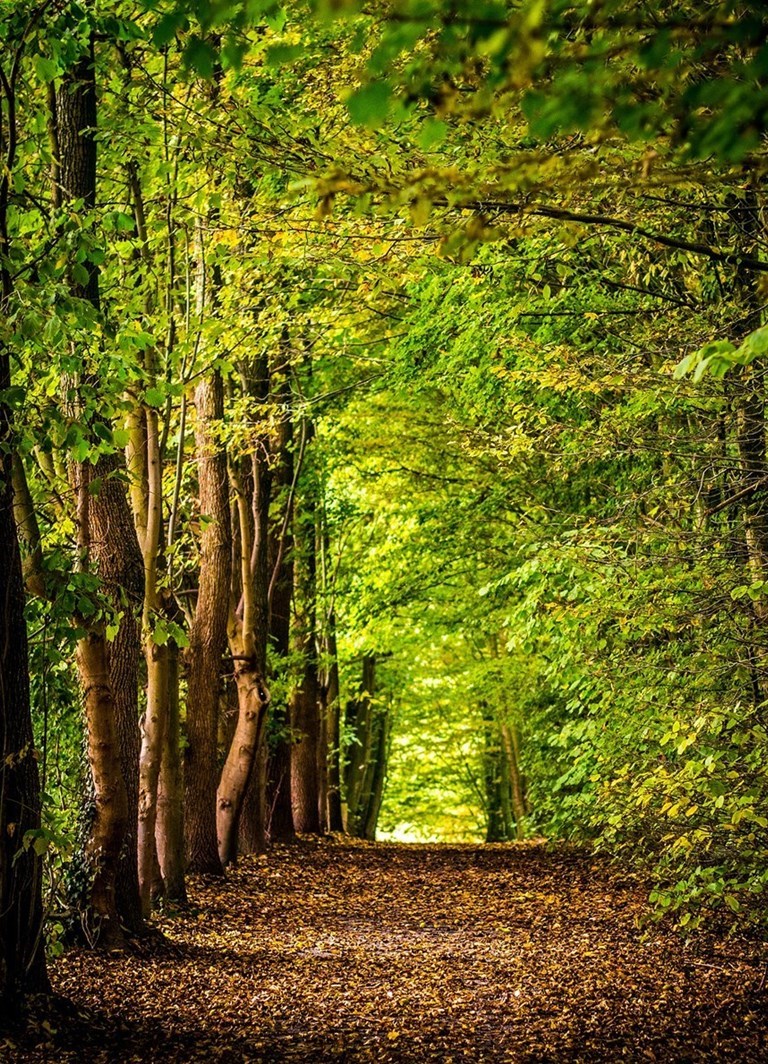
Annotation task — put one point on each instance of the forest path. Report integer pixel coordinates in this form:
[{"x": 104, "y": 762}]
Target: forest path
[{"x": 334, "y": 951}]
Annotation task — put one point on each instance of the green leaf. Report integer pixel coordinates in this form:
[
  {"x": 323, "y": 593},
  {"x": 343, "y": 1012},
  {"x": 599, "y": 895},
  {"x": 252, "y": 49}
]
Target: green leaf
[
  {"x": 104, "y": 432},
  {"x": 755, "y": 345},
  {"x": 369, "y": 106},
  {"x": 432, "y": 133},
  {"x": 168, "y": 26},
  {"x": 80, "y": 274},
  {"x": 200, "y": 56},
  {"x": 154, "y": 397},
  {"x": 45, "y": 69},
  {"x": 279, "y": 54}
]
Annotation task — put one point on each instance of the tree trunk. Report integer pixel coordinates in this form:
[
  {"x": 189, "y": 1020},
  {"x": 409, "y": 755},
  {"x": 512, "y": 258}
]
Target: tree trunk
[
  {"x": 511, "y": 743},
  {"x": 332, "y": 715},
  {"x": 278, "y": 769},
  {"x": 379, "y": 774},
  {"x": 107, "y": 538},
  {"x": 494, "y": 818},
  {"x": 305, "y": 725},
  {"x": 365, "y": 762},
  {"x": 252, "y": 699},
  {"x": 115, "y": 553},
  {"x": 305, "y": 709},
  {"x": 110, "y": 816},
  {"x": 208, "y": 634},
  {"x": 22, "y": 959},
  {"x": 248, "y": 632},
  {"x": 254, "y": 814},
  {"x": 169, "y": 827},
  {"x": 749, "y": 408},
  {"x": 153, "y": 729}
]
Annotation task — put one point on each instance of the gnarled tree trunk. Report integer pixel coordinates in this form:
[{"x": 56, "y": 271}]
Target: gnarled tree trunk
[{"x": 248, "y": 630}]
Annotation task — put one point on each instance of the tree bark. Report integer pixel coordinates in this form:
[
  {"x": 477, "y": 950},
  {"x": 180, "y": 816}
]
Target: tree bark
[
  {"x": 208, "y": 634},
  {"x": 22, "y": 959},
  {"x": 306, "y": 752},
  {"x": 365, "y": 755},
  {"x": 330, "y": 699},
  {"x": 108, "y": 540},
  {"x": 511, "y": 743},
  {"x": 248, "y": 625},
  {"x": 254, "y": 814},
  {"x": 278, "y": 769},
  {"x": 169, "y": 828},
  {"x": 110, "y": 816}
]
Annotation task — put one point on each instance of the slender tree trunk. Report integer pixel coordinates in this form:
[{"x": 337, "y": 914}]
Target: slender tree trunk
[
  {"x": 305, "y": 725},
  {"x": 511, "y": 743},
  {"x": 153, "y": 729},
  {"x": 169, "y": 828},
  {"x": 305, "y": 709},
  {"x": 279, "y": 811},
  {"x": 155, "y": 721},
  {"x": 331, "y": 695},
  {"x": 376, "y": 790},
  {"x": 365, "y": 762},
  {"x": 749, "y": 400},
  {"x": 207, "y": 640}
]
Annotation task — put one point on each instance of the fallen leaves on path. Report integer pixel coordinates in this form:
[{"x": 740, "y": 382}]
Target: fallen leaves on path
[{"x": 330, "y": 951}]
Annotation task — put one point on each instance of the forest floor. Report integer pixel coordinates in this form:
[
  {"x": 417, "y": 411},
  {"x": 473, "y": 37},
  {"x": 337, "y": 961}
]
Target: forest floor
[{"x": 334, "y": 951}]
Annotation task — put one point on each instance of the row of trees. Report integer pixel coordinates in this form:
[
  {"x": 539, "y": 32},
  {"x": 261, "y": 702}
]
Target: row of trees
[
  {"x": 163, "y": 506},
  {"x": 341, "y": 416}
]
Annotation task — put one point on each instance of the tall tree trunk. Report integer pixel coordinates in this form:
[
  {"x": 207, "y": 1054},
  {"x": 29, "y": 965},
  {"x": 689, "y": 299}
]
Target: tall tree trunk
[
  {"x": 376, "y": 789},
  {"x": 494, "y": 818},
  {"x": 281, "y": 569},
  {"x": 305, "y": 726},
  {"x": 305, "y": 707},
  {"x": 248, "y": 626},
  {"x": 207, "y": 638},
  {"x": 749, "y": 407},
  {"x": 511, "y": 743},
  {"x": 22, "y": 960},
  {"x": 110, "y": 815},
  {"x": 118, "y": 560},
  {"x": 105, "y": 534},
  {"x": 208, "y": 633},
  {"x": 330, "y": 698}
]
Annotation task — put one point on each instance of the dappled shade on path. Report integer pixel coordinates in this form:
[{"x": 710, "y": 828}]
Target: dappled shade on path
[{"x": 356, "y": 952}]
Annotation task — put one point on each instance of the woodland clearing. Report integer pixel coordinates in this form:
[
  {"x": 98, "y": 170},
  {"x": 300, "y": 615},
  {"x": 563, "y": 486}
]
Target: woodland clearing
[{"x": 383, "y": 952}]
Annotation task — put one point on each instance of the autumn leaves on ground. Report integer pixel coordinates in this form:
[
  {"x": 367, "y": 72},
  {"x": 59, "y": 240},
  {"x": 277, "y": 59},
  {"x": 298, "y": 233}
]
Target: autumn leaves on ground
[{"x": 358, "y": 952}]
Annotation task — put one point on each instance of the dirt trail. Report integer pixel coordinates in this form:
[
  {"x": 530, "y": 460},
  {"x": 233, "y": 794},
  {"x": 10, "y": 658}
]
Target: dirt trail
[{"x": 341, "y": 952}]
